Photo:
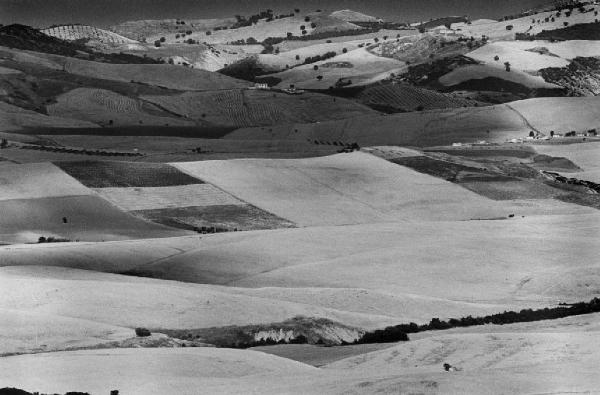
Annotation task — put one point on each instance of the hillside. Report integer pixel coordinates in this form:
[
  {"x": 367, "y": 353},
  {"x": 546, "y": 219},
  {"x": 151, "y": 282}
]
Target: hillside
[
  {"x": 353, "y": 16},
  {"x": 405, "y": 98},
  {"x": 84, "y": 32},
  {"x": 242, "y": 108},
  {"x": 444, "y": 127}
]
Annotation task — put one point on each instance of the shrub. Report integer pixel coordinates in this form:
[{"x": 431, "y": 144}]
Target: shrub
[
  {"x": 320, "y": 77},
  {"x": 307, "y": 19},
  {"x": 313, "y": 25},
  {"x": 162, "y": 39},
  {"x": 142, "y": 332},
  {"x": 208, "y": 32},
  {"x": 509, "y": 27}
]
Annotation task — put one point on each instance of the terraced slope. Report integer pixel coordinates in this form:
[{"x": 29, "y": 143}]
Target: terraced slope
[
  {"x": 241, "y": 108},
  {"x": 78, "y": 32},
  {"x": 109, "y": 108},
  {"x": 405, "y": 98}
]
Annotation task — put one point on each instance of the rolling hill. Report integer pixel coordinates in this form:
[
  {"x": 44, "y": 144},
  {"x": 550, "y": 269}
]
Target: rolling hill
[{"x": 84, "y": 32}]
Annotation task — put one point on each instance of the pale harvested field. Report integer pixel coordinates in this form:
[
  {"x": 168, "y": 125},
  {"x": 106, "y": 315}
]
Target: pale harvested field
[
  {"x": 37, "y": 180},
  {"x": 427, "y": 259},
  {"x": 359, "y": 65},
  {"x": 90, "y": 218},
  {"x": 137, "y": 198},
  {"x": 345, "y": 189},
  {"x": 475, "y": 72},
  {"x": 586, "y": 156},
  {"x": 490, "y": 363}
]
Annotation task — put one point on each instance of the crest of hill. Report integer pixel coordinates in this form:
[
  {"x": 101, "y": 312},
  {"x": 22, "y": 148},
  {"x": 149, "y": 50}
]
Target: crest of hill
[
  {"x": 353, "y": 16},
  {"x": 27, "y": 38},
  {"x": 140, "y": 29},
  {"x": 85, "y": 32}
]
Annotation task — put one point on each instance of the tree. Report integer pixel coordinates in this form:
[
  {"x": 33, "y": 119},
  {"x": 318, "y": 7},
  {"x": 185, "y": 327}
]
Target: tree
[
  {"x": 304, "y": 32},
  {"x": 307, "y": 19},
  {"x": 296, "y": 10},
  {"x": 289, "y": 34},
  {"x": 315, "y": 67},
  {"x": 302, "y": 27},
  {"x": 251, "y": 41},
  {"x": 297, "y": 57},
  {"x": 4, "y": 143},
  {"x": 345, "y": 50},
  {"x": 157, "y": 43},
  {"x": 320, "y": 77},
  {"x": 208, "y": 32},
  {"x": 162, "y": 39},
  {"x": 507, "y": 66},
  {"x": 509, "y": 27}
]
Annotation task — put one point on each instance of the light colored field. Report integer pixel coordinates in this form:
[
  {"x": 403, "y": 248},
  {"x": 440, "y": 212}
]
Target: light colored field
[
  {"x": 476, "y": 72},
  {"x": 136, "y": 371},
  {"x": 444, "y": 127},
  {"x": 367, "y": 38},
  {"x": 13, "y": 118},
  {"x": 112, "y": 302},
  {"x": 423, "y": 259},
  {"x": 586, "y": 156},
  {"x": 78, "y": 32},
  {"x": 365, "y": 68},
  {"x": 516, "y": 52},
  {"x": 242, "y": 108},
  {"x": 491, "y": 363},
  {"x": 37, "y": 180},
  {"x": 560, "y": 114},
  {"x": 89, "y": 218},
  {"x": 497, "y": 30},
  {"x": 102, "y": 106},
  {"x": 353, "y": 16},
  {"x": 167, "y": 197},
  {"x": 260, "y": 31},
  {"x": 342, "y": 189}
]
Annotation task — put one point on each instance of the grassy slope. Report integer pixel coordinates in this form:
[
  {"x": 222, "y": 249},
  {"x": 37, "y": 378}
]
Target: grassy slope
[{"x": 444, "y": 127}]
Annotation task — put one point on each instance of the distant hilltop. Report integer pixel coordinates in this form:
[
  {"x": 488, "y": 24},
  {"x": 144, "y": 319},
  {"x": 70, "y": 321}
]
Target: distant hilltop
[{"x": 353, "y": 16}]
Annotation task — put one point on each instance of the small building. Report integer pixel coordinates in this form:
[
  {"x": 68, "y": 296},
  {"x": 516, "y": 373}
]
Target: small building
[{"x": 261, "y": 86}]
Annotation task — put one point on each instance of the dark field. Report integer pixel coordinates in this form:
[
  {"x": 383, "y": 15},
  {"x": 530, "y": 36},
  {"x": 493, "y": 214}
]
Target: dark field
[
  {"x": 230, "y": 217},
  {"x": 441, "y": 169},
  {"x": 94, "y": 174},
  {"x": 205, "y": 132},
  {"x": 487, "y": 152}
]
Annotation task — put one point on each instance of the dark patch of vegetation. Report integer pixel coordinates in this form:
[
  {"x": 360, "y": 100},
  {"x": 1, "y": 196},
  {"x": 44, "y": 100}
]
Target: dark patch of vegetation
[
  {"x": 52, "y": 239},
  {"x": 246, "y": 69},
  {"x": 318, "y": 58},
  {"x": 142, "y": 332},
  {"x": 495, "y": 84},
  {"x": 580, "y": 78},
  {"x": 583, "y": 31},
  {"x": 94, "y": 174},
  {"x": 446, "y": 21},
  {"x": 27, "y": 38},
  {"x": 400, "y": 332},
  {"x": 446, "y": 170},
  {"x": 208, "y": 132},
  {"x": 79, "y": 151},
  {"x": 215, "y": 219},
  {"x": 16, "y": 391}
]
